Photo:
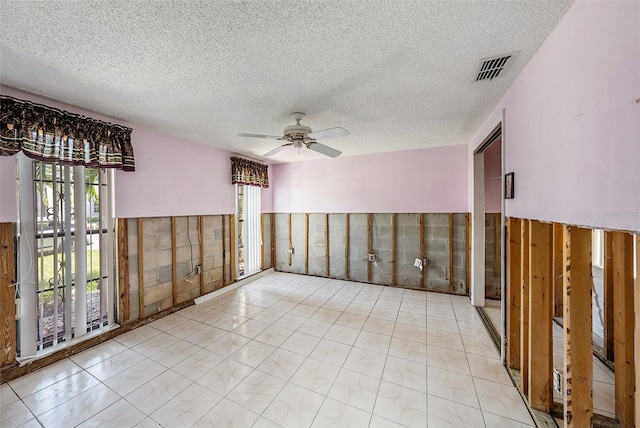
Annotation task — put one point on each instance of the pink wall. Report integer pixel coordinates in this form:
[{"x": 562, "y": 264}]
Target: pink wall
[
  {"x": 173, "y": 176},
  {"x": 426, "y": 180},
  {"x": 493, "y": 178},
  {"x": 572, "y": 122}
]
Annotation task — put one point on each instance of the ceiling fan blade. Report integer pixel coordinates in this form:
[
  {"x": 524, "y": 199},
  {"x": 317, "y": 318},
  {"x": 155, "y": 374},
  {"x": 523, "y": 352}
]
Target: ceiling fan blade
[
  {"x": 325, "y": 150},
  {"x": 273, "y": 137},
  {"x": 277, "y": 149},
  {"x": 328, "y": 133}
]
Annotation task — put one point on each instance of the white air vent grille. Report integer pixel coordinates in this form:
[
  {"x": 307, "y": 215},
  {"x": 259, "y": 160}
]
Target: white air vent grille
[{"x": 490, "y": 68}]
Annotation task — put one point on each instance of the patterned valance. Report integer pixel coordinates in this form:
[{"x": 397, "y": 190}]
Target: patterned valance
[
  {"x": 244, "y": 171},
  {"x": 57, "y": 136}
]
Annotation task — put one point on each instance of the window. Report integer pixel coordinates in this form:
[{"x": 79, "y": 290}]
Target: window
[{"x": 65, "y": 253}]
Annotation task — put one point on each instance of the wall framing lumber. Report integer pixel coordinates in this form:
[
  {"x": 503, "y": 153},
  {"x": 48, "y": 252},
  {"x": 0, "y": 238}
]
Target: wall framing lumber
[
  {"x": 450, "y": 252},
  {"x": 140, "y": 269},
  {"x": 306, "y": 243},
  {"x": 524, "y": 306},
  {"x": 174, "y": 264},
  {"x": 514, "y": 273},
  {"x": 577, "y": 334},
  {"x": 607, "y": 279},
  {"x": 233, "y": 269},
  {"x": 496, "y": 244},
  {"x": 393, "y": 248},
  {"x": 468, "y": 249},
  {"x": 224, "y": 251},
  {"x": 8, "y": 341},
  {"x": 558, "y": 269},
  {"x": 273, "y": 240},
  {"x": 201, "y": 241},
  {"x": 261, "y": 241},
  {"x": 540, "y": 316},
  {"x": 123, "y": 271},
  {"x": 290, "y": 247},
  {"x": 637, "y": 326},
  {"x": 623, "y": 334},
  {"x": 326, "y": 245},
  {"x": 422, "y": 248},
  {"x": 368, "y": 247},
  {"x": 346, "y": 246}
]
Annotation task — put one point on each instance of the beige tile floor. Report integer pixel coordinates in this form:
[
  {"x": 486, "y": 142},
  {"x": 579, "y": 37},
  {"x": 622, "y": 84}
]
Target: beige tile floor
[{"x": 285, "y": 350}]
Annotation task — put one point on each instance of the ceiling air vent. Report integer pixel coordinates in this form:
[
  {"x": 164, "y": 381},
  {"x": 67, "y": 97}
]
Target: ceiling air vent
[{"x": 490, "y": 68}]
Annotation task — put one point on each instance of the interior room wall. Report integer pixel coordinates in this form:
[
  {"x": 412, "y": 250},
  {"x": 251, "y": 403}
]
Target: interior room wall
[
  {"x": 426, "y": 180},
  {"x": 173, "y": 176},
  {"x": 572, "y": 122}
]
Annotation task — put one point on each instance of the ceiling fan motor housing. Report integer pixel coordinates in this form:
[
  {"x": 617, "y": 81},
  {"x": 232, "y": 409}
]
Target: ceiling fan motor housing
[{"x": 296, "y": 132}]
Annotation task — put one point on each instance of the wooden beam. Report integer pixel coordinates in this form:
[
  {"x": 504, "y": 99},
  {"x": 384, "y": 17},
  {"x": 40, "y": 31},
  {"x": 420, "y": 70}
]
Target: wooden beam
[
  {"x": 326, "y": 245},
  {"x": 8, "y": 294},
  {"x": 608, "y": 295},
  {"x": 201, "y": 240},
  {"x": 174, "y": 264},
  {"x": 290, "y": 255},
  {"x": 496, "y": 244},
  {"x": 261, "y": 241},
  {"x": 540, "y": 316},
  {"x": 123, "y": 271},
  {"x": 422, "y": 249},
  {"x": 524, "y": 306},
  {"x": 140, "y": 269},
  {"x": 306, "y": 243},
  {"x": 514, "y": 285},
  {"x": 273, "y": 240},
  {"x": 224, "y": 251},
  {"x": 637, "y": 326},
  {"x": 393, "y": 248},
  {"x": 368, "y": 247},
  {"x": 623, "y": 328},
  {"x": 346, "y": 246},
  {"x": 468, "y": 249},
  {"x": 558, "y": 268},
  {"x": 451, "y": 252},
  {"x": 577, "y": 335},
  {"x": 233, "y": 269}
]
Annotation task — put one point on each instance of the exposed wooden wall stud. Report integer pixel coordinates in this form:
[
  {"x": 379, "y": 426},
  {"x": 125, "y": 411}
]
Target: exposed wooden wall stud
[
  {"x": 558, "y": 268},
  {"x": 468, "y": 249},
  {"x": 368, "y": 247},
  {"x": 514, "y": 292},
  {"x": 524, "y": 306},
  {"x": 233, "y": 269},
  {"x": 7, "y": 294},
  {"x": 174, "y": 264},
  {"x": 224, "y": 250},
  {"x": 273, "y": 240},
  {"x": 607, "y": 279},
  {"x": 123, "y": 269},
  {"x": 637, "y": 326},
  {"x": 140, "y": 268},
  {"x": 306, "y": 243},
  {"x": 262, "y": 241},
  {"x": 201, "y": 240},
  {"x": 623, "y": 335},
  {"x": 577, "y": 335},
  {"x": 326, "y": 245},
  {"x": 393, "y": 248},
  {"x": 290, "y": 246},
  {"x": 422, "y": 248},
  {"x": 346, "y": 246},
  {"x": 450, "y": 252}
]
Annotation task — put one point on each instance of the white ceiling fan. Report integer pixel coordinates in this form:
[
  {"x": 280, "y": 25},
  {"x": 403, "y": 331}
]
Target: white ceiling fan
[{"x": 299, "y": 136}]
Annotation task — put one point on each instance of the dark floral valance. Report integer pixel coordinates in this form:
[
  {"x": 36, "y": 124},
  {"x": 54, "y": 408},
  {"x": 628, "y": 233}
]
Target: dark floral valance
[
  {"x": 244, "y": 171},
  {"x": 57, "y": 136}
]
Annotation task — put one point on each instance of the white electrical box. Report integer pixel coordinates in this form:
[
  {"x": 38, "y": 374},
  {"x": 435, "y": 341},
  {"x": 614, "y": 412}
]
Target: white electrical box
[{"x": 372, "y": 257}]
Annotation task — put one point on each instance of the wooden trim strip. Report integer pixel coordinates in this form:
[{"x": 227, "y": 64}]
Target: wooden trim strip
[
  {"x": 524, "y": 306},
  {"x": 346, "y": 246},
  {"x": 290, "y": 246},
  {"x": 140, "y": 268},
  {"x": 123, "y": 271},
  {"x": 174, "y": 264},
  {"x": 558, "y": 268},
  {"x": 273, "y": 240},
  {"x": 224, "y": 250},
  {"x": 262, "y": 241},
  {"x": 326, "y": 245},
  {"x": 468, "y": 249},
  {"x": 608, "y": 295},
  {"x": 8, "y": 342},
  {"x": 233, "y": 269}
]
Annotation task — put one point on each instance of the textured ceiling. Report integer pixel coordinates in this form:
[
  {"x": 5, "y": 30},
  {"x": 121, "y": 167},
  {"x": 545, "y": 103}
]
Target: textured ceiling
[{"x": 397, "y": 74}]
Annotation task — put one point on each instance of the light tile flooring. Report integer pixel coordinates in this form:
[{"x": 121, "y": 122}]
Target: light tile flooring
[{"x": 285, "y": 350}]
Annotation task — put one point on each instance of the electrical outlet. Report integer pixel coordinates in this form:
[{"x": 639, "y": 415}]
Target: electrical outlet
[
  {"x": 292, "y": 251},
  {"x": 425, "y": 261},
  {"x": 372, "y": 257},
  {"x": 557, "y": 381},
  {"x": 18, "y": 309},
  {"x": 198, "y": 269}
]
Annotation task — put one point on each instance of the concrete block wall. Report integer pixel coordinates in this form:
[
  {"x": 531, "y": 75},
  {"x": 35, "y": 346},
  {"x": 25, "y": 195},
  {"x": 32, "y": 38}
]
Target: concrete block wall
[
  {"x": 132, "y": 243},
  {"x": 491, "y": 275},
  {"x": 157, "y": 263},
  {"x": 437, "y": 273}
]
